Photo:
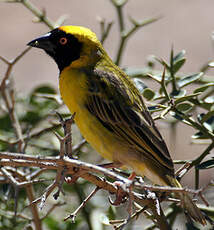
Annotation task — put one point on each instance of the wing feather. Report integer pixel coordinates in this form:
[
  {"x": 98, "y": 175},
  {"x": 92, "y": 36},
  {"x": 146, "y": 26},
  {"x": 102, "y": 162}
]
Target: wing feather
[{"x": 118, "y": 105}]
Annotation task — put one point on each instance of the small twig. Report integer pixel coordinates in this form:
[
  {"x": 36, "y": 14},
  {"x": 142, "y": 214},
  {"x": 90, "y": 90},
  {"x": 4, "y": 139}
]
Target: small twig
[
  {"x": 171, "y": 69},
  {"x": 62, "y": 144},
  {"x": 52, "y": 209},
  {"x": 196, "y": 178},
  {"x": 163, "y": 86},
  {"x": 123, "y": 225},
  {"x": 191, "y": 122},
  {"x": 182, "y": 170},
  {"x": 41, "y": 15},
  {"x": 7, "y": 92},
  {"x": 200, "y": 193},
  {"x": 159, "y": 216},
  {"x": 11, "y": 214},
  {"x": 66, "y": 124},
  {"x": 10, "y": 66},
  {"x": 9, "y": 177},
  {"x": 74, "y": 214},
  {"x": 67, "y": 131},
  {"x": 45, "y": 195},
  {"x": 87, "y": 169},
  {"x": 125, "y": 35},
  {"x": 203, "y": 155},
  {"x": 29, "y": 191},
  {"x": 124, "y": 221},
  {"x": 16, "y": 159},
  {"x": 104, "y": 30},
  {"x": 60, "y": 183},
  {"x": 203, "y": 199},
  {"x": 78, "y": 146},
  {"x": 36, "y": 218},
  {"x": 35, "y": 174}
]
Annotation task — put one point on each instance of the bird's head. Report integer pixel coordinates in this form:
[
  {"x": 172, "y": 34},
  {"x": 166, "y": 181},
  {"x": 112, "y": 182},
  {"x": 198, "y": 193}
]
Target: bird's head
[{"x": 70, "y": 46}]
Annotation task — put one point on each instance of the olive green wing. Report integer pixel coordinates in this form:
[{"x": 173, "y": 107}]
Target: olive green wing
[{"x": 118, "y": 105}]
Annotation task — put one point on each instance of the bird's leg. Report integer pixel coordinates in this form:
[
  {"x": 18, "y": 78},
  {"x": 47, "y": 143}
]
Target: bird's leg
[
  {"x": 132, "y": 176},
  {"x": 120, "y": 198},
  {"x": 120, "y": 194}
]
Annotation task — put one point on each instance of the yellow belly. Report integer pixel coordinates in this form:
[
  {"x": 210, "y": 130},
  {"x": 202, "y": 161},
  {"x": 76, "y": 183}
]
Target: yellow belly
[{"x": 73, "y": 89}]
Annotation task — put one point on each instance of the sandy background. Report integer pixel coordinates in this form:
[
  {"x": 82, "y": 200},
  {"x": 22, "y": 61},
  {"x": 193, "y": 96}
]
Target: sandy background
[{"x": 187, "y": 24}]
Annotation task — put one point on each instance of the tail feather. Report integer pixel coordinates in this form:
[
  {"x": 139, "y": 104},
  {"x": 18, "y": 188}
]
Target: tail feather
[
  {"x": 188, "y": 205},
  {"x": 192, "y": 210}
]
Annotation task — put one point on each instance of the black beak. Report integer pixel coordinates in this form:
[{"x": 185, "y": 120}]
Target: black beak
[{"x": 43, "y": 42}]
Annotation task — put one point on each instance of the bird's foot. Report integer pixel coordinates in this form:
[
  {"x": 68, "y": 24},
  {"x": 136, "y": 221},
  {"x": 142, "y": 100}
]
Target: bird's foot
[{"x": 121, "y": 196}]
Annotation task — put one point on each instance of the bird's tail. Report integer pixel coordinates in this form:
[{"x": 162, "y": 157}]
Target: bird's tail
[{"x": 188, "y": 205}]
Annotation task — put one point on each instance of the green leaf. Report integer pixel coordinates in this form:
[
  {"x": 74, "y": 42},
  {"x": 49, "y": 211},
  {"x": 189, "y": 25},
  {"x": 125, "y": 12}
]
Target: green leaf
[
  {"x": 211, "y": 64},
  {"x": 178, "y": 65},
  {"x": 204, "y": 105},
  {"x": 184, "y": 107},
  {"x": 55, "y": 97},
  {"x": 178, "y": 61},
  {"x": 179, "y": 56},
  {"x": 51, "y": 223},
  {"x": 200, "y": 135},
  {"x": 32, "y": 117},
  {"x": 154, "y": 108},
  {"x": 139, "y": 84},
  {"x": 209, "y": 99},
  {"x": 111, "y": 214},
  {"x": 3, "y": 145},
  {"x": 148, "y": 94},
  {"x": 5, "y": 123},
  {"x": 162, "y": 62},
  {"x": 178, "y": 93},
  {"x": 171, "y": 59},
  {"x": 209, "y": 124},
  {"x": 186, "y": 98},
  {"x": 204, "y": 68},
  {"x": 191, "y": 226},
  {"x": 203, "y": 88},
  {"x": 136, "y": 72},
  {"x": 178, "y": 115},
  {"x": 200, "y": 117},
  {"x": 206, "y": 165},
  {"x": 45, "y": 89},
  {"x": 207, "y": 116},
  {"x": 188, "y": 80}
]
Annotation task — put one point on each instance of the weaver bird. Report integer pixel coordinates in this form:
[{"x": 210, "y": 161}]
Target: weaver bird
[{"x": 109, "y": 109}]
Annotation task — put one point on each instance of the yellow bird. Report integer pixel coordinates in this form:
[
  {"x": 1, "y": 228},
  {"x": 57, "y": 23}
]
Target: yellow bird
[{"x": 110, "y": 111}]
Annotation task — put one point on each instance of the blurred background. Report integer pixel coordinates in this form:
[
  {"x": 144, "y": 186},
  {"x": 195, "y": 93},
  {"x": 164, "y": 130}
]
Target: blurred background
[{"x": 184, "y": 25}]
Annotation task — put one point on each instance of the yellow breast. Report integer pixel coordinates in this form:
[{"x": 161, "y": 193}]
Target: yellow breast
[{"x": 74, "y": 92}]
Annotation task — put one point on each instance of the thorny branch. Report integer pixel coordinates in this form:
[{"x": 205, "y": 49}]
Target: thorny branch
[
  {"x": 74, "y": 214},
  {"x": 7, "y": 91},
  {"x": 124, "y": 33},
  {"x": 87, "y": 170}
]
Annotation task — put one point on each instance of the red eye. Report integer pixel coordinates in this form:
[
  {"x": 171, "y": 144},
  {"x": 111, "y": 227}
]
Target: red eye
[{"x": 63, "y": 40}]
